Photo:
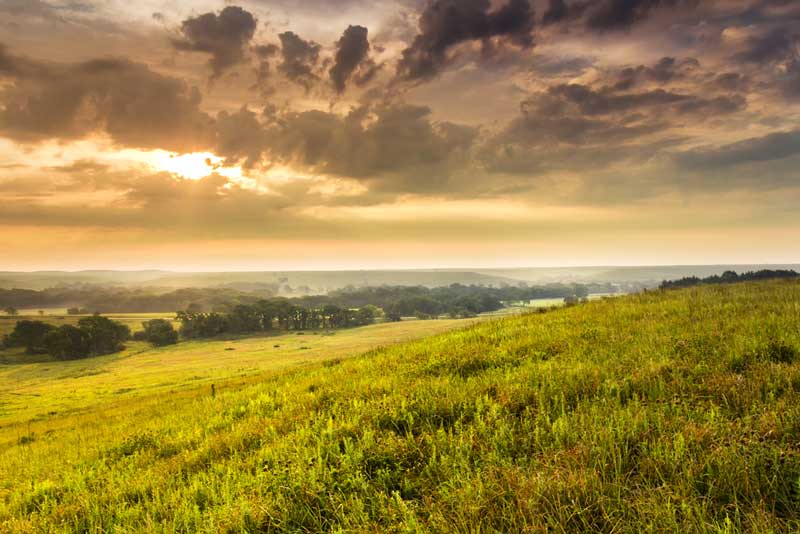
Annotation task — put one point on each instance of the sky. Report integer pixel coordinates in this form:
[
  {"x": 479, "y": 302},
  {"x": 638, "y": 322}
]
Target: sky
[{"x": 347, "y": 134}]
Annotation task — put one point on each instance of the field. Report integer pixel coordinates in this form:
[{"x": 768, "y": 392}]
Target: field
[
  {"x": 660, "y": 412},
  {"x": 35, "y": 392}
]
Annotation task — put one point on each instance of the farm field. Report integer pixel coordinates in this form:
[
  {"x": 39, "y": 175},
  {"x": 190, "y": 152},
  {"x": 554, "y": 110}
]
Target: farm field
[{"x": 658, "y": 412}]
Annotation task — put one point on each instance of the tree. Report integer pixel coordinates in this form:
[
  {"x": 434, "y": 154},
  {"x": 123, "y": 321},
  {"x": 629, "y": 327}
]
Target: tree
[
  {"x": 393, "y": 314},
  {"x": 11, "y": 310},
  {"x": 159, "y": 332},
  {"x": 68, "y": 343},
  {"x": 29, "y": 334},
  {"x": 105, "y": 336},
  {"x": 367, "y": 314},
  {"x": 245, "y": 319}
]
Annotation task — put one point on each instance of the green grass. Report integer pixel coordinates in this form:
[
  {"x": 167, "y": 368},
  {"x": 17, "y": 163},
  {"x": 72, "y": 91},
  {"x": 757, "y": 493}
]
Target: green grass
[
  {"x": 36, "y": 388},
  {"x": 662, "y": 412}
]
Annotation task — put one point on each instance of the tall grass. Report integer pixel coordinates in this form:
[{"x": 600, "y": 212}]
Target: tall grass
[{"x": 661, "y": 412}]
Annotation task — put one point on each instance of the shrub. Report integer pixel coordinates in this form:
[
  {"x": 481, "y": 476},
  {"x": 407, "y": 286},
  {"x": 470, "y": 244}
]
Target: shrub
[
  {"x": 159, "y": 332},
  {"x": 29, "y": 334},
  {"x": 68, "y": 343},
  {"x": 105, "y": 336}
]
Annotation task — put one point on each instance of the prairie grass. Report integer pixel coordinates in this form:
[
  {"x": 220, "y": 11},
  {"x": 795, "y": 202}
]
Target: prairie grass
[
  {"x": 660, "y": 412},
  {"x": 37, "y": 389}
]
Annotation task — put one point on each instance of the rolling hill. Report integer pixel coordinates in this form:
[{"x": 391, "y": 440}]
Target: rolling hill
[{"x": 669, "y": 411}]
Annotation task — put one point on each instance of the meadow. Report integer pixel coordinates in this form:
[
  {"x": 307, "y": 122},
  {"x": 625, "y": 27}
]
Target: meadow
[
  {"x": 35, "y": 389},
  {"x": 668, "y": 411}
]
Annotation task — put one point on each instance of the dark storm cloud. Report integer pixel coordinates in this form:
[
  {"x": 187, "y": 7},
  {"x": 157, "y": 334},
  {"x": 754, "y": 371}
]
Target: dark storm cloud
[
  {"x": 300, "y": 59},
  {"x": 134, "y": 105},
  {"x": 447, "y": 23},
  {"x": 352, "y": 59},
  {"x": 224, "y": 35}
]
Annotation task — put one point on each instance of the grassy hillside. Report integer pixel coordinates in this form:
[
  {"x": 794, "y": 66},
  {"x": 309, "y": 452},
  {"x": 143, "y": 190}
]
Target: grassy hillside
[
  {"x": 36, "y": 388},
  {"x": 662, "y": 412}
]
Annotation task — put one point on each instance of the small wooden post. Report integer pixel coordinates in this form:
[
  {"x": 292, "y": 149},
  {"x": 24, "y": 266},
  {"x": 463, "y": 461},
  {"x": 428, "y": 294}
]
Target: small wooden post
[{"x": 213, "y": 391}]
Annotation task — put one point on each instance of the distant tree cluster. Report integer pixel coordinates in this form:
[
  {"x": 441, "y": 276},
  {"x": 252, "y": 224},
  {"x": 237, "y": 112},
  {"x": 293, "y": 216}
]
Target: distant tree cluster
[
  {"x": 729, "y": 277},
  {"x": 93, "y": 336},
  {"x": 87, "y": 299},
  {"x": 456, "y": 300},
  {"x": 159, "y": 332},
  {"x": 273, "y": 314}
]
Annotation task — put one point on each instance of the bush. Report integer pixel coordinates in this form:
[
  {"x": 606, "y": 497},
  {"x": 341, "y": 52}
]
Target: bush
[
  {"x": 68, "y": 343},
  {"x": 159, "y": 332},
  {"x": 29, "y": 334},
  {"x": 105, "y": 336}
]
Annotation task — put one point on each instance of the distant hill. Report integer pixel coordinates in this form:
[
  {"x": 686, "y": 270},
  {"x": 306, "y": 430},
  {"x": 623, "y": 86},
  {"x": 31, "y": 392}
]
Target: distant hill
[
  {"x": 648, "y": 275},
  {"x": 287, "y": 282},
  {"x": 298, "y": 283}
]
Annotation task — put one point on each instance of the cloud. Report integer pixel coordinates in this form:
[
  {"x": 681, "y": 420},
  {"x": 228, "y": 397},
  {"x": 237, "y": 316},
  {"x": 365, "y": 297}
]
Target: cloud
[
  {"x": 622, "y": 14},
  {"x": 300, "y": 58},
  {"x": 264, "y": 53},
  {"x": 560, "y": 11},
  {"x": 445, "y": 24},
  {"x": 135, "y": 106},
  {"x": 395, "y": 147},
  {"x": 771, "y": 147},
  {"x": 779, "y": 44},
  {"x": 588, "y": 101},
  {"x": 224, "y": 35},
  {"x": 666, "y": 70},
  {"x": 352, "y": 59},
  {"x": 591, "y": 130},
  {"x": 44, "y": 10},
  {"x": 777, "y": 52}
]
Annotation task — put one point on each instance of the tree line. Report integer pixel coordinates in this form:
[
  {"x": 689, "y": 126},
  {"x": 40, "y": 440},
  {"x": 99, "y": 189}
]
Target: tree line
[
  {"x": 730, "y": 277},
  {"x": 405, "y": 300},
  {"x": 455, "y": 299},
  {"x": 96, "y": 335},
  {"x": 101, "y": 299},
  {"x": 271, "y": 315}
]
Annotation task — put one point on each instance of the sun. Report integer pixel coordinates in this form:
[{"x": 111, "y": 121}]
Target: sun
[{"x": 193, "y": 166}]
